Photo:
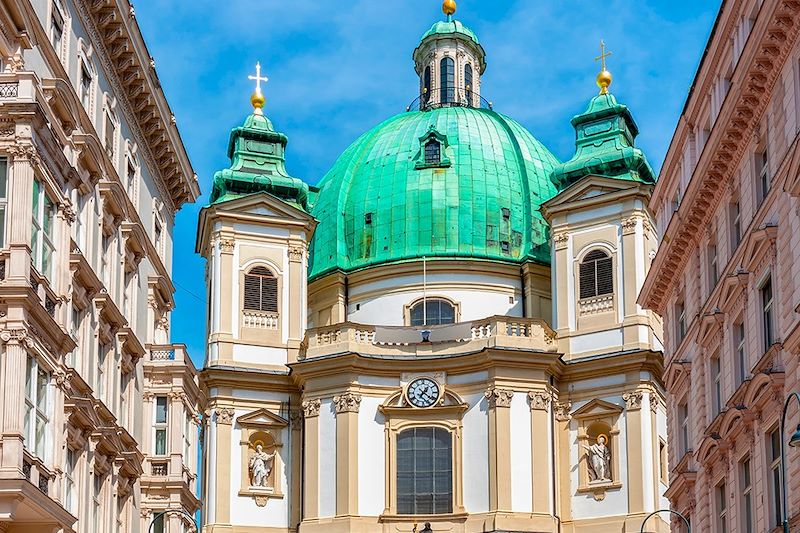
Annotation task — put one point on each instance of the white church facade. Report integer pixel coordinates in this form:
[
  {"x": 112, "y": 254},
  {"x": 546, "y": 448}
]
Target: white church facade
[{"x": 443, "y": 330}]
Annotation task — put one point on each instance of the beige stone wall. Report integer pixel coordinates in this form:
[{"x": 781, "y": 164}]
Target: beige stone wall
[{"x": 714, "y": 163}]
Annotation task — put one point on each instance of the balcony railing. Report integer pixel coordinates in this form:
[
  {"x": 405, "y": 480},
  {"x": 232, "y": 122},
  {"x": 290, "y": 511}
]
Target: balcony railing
[
  {"x": 597, "y": 304},
  {"x": 437, "y": 98},
  {"x": 168, "y": 353},
  {"x": 418, "y": 341},
  {"x": 260, "y": 320}
]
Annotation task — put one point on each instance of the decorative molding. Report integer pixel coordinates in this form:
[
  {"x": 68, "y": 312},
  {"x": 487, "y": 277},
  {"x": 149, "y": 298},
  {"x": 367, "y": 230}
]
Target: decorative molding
[
  {"x": 654, "y": 402},
  {"x": 633, "y": 400},
  {"x": 311, "y": 407},
  {"x": 15, "y": 336},
  {"x": 560, "y": 240},
  {"x": 347, "y": 403},
  {"x": 296, "y": 420},
  {"x": 225, "y": 416},
  {"x": 499, "y": 397},
  {"x": 226, "y": 246},
  {"x": 629, "y": 225},
  {"x": 539, "y": 400}
]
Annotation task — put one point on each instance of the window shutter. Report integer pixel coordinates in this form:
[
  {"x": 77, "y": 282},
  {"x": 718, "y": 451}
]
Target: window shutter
[
  {"x": 605, "y": 276},
  {"x": 252, "y": 292},
  {"x": 587, "y": 280},
  {"x": 269, "y": 294}
]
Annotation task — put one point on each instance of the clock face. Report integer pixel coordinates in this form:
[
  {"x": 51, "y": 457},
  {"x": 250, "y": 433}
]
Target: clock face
[{"x": 423, "y": 392}]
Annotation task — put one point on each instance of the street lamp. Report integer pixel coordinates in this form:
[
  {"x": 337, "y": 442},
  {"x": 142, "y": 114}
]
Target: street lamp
[
  {"x": 685, "y": 520},
  {"x": 794, "y": 442},
  {"x": 168, "y": 511}
]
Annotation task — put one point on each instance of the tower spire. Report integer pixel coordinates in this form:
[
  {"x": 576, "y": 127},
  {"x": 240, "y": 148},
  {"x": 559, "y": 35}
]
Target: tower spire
[{"x": 604, "y": 78}]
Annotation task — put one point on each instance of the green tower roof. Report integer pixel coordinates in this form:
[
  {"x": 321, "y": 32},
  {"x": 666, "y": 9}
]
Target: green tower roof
[
  {"x": 450, "y": 26},
  {"x": 257, "y": 158},
  {"x": 382, "y": 203},
  {"x": 604, "y": 145}
]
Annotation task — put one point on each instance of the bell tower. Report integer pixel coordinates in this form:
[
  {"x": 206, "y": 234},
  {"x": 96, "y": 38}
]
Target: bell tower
[{"x": 604, "y": 236}]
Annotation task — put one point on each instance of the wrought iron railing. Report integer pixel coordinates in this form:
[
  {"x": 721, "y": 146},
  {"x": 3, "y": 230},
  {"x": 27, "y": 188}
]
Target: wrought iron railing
[{"x": 449, "y": 97}]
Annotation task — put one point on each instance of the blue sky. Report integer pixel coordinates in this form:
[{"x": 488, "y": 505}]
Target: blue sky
[{"x": 337, "y": 68}]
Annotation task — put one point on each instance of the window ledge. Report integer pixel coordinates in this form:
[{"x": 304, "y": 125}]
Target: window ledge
[
  {"x": 459, "y": 516},
  {"x": 421, "y": 165}
]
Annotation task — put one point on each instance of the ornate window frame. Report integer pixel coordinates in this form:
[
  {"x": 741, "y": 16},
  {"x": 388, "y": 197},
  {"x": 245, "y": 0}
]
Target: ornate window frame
[
  {"x": 399, "y": 415},
  {"x": 264, "y": 427},
  {"x": 435, "y": 136},
  {"x": 597, "y": 417}
]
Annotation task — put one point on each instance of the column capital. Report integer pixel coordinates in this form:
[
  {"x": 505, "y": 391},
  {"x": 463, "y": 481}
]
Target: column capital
[
  {"x": 347, "y": 403},
  {"x": 562, "y": 410},
  {"x": 499, "y": 397},
  {"x": 225, "y": 416},
  {"x": 539, "y": 400},
  {"x": 633, "y": 400},
  {"x": 311, "y": 408}
]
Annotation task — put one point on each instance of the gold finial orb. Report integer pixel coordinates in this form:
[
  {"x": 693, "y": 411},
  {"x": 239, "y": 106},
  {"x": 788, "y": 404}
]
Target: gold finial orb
[
  {"x": 258, "y": 101},
  {"x": 604, "y": 79},
  {"x": 449, "y": 7}
]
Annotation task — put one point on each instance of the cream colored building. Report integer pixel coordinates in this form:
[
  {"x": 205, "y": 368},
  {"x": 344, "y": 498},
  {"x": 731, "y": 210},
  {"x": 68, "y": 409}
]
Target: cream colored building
[
  {"x": 92, "y": 172},
  {"x": 726, "y": 276},
  {"x": 445, "y": 329}
]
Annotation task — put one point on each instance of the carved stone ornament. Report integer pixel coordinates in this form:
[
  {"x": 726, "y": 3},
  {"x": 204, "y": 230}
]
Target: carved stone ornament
[
  {"x": 654, "y": 402},
  {"x": 633, "y": 400},
  {"x": 295, "y": 254},
  {"x": 13, "y": 335},
  {"x": 629, "y": 225},
  {"x": 347, "y": 403},
  {"x": 562, "y": 410},
  {"x": 225, "y": 416},
  {"x": 226, "y": 246},
  {"x": 62, "y": 380},
  {"x": 499, "y": 397},
  {"x": 296, "y": 420},
  {"x": 540, "y": 400},
  {"x": 561, "y": 239},
  {"x": 260, "y": 467},
  {"x": 311, "y": 408}
]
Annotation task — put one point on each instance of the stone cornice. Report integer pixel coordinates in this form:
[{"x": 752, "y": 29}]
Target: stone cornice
[
  {"x": 131, "y": 71},
  {"x": 738, "y": 120}
]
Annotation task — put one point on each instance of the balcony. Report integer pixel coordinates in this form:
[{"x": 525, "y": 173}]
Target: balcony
[
  {"x": 173, "y": 353},
  {"x": 432, "y": 341}
]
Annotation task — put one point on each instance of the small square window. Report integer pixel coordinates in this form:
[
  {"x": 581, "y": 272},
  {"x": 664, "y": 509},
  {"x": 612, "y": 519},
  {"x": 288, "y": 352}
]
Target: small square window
[{"x": 368, "y": 218}]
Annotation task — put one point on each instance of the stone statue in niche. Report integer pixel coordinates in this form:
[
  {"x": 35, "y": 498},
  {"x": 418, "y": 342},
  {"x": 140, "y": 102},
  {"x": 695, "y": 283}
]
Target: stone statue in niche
[
  {"x": 260, "y": 467},
  {"x": 599, "y": 460}
]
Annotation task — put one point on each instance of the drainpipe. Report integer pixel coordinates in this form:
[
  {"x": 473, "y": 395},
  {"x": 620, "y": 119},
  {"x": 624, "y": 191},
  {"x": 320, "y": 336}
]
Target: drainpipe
[{"x": 522, "y": 286}]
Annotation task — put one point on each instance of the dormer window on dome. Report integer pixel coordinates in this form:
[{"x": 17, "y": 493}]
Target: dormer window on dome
[{"x": 432, "y": 150}]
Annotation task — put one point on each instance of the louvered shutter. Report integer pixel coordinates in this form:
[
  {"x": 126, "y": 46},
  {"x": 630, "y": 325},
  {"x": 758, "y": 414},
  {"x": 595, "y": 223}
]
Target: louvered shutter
[
  {"x": 269, "y": 294},
  {"x": 605, "y": 276},
  {"x": 587, "y": 279},
  {"x": 260, "y": 290}
]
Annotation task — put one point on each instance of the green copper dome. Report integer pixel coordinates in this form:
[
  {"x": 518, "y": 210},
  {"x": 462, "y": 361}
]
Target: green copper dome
[
  {"x": 388, "y": 199},
  {"x": 446, "y": 27}
]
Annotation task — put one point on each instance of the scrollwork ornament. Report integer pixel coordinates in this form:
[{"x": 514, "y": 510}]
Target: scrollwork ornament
[
  {"x": 226, "y": 246},
  {"x": 13, "y": 335}
]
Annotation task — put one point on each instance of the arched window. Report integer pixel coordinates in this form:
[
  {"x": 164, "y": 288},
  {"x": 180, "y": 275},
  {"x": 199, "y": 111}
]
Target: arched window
[
  {"x": 447, "y": 73},
  {"x": 260, "y": 290},
  {"x": 424, "y": 471},
  {"x": 433, "y": 312},
  {"x": 468, "y": 80},
  {"x": 433, "y": 152},
  {"x": 426, "y": 83},
  {"x": 596, "y": 274}
]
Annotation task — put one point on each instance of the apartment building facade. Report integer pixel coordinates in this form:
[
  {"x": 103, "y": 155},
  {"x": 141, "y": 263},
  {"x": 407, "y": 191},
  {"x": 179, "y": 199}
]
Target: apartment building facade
[
  {"x": 92, "y": 173},
  {"x": 726, "y": 277}
]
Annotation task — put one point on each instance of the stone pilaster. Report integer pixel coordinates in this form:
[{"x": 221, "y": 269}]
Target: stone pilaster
[
  {"x": 12, "y": 379},
  {"x": 540, "y": 450},
  {"x": 223, "y": 418},
  {"x": 347, "y": 406},
  {"x": 633, "y": 428},
  {"x": 499, "y": 401},
  {"x": 311, "y": 459}
]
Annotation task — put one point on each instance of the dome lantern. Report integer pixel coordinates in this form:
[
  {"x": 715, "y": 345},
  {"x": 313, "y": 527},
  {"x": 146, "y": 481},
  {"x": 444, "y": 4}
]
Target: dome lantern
[{"x": 450, "y": 62}]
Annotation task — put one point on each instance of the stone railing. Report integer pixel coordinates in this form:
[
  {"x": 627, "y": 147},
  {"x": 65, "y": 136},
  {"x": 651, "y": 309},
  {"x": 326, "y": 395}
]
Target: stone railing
[
  {"x": 168, "y": 353},
  {"x": 497, "y": 332},
  {"x": 598, "y": 304},
  {"x": 260, "y": 320}
]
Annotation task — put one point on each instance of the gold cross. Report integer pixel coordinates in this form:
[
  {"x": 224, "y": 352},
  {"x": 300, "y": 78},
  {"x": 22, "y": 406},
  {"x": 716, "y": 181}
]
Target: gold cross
[
  {"x": 258, "y": 78},
  {"x": 603, "y": 54}
]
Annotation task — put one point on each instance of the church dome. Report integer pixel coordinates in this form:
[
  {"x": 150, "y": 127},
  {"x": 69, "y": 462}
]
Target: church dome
[{"x": 446, "y": 182}]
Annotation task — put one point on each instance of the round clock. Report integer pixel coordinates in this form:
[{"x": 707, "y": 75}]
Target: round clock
[{"x": 423, "y": 392}]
